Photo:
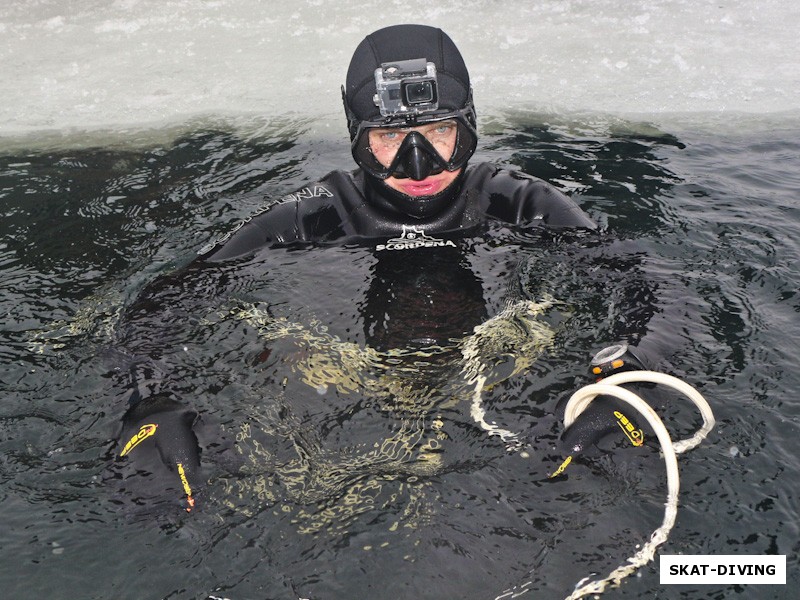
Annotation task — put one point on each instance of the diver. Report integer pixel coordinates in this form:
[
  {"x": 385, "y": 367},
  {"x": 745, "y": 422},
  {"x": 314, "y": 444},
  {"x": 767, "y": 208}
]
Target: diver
[
  {"x": 412, "y": 124},
  {"x": 413, "y": 129}
]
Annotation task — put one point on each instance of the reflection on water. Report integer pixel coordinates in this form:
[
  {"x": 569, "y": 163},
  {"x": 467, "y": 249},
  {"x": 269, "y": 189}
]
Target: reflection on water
[{"x": 342, "y": 455}]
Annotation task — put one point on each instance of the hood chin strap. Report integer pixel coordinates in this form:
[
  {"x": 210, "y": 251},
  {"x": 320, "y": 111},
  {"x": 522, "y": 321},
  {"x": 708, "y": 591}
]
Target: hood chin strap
[{"x": 416, "y": 159}]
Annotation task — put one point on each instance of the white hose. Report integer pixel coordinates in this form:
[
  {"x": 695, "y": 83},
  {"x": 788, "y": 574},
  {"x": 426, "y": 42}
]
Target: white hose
[
  {"x": 581, "y": 399},
  {"x": 680, "y": 447}
]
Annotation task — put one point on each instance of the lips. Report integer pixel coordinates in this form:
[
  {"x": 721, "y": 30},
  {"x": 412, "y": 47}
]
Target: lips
[{"x": 427, "y": 187}]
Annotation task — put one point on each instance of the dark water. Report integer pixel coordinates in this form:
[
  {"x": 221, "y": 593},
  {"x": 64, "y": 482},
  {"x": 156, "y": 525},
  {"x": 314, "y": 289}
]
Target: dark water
[{"x": 697, "y": 264}]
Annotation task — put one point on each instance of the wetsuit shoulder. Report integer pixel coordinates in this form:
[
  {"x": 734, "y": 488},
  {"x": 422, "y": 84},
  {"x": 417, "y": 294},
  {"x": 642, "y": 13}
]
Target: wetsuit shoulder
[
  {"x": 313, "y": 213},
  {"x": 518, "y": 198}
]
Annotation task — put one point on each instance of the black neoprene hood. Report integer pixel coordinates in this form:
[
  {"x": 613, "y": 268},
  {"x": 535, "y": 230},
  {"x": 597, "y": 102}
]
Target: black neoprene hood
[
  {"x": 405, "y": 42},
  {"x": 402, "y": 43}
]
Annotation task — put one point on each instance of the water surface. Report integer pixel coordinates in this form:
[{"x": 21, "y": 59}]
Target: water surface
[{"x": 697, "y": 263}]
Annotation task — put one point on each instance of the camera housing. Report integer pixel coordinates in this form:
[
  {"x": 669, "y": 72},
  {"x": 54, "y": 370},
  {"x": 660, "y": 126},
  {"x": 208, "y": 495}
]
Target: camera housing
[{"x": 406, "y": 88}]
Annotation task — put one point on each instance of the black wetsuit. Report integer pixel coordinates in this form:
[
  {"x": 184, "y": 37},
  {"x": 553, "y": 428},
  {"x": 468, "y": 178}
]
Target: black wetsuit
[
  {"x": 347, "y": 206},
  {"x": 343, "y": 207}
]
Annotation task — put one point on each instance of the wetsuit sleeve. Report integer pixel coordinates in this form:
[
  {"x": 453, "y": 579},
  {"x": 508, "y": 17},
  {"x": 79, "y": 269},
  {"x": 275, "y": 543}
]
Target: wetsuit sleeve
[
  {"x": 318, "y": 212},
  {"x": 276, "y": 225},
  {"x": 521, "y": 199},
  {"x": 542, "y": 201},
  {"x": 157, "y": 457}
]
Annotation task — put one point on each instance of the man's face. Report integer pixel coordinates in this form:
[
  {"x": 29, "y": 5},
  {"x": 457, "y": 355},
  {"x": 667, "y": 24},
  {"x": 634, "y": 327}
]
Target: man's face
[{"x": 385, "y": 142}]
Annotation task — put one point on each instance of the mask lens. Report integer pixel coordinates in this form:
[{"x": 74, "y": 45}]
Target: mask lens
[
  {"x": 450, "y": 142},
  {"x": 385, "y": 143}
]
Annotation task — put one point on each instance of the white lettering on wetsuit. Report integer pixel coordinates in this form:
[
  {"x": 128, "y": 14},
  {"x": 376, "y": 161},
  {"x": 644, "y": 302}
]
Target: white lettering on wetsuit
[
  {"x": 414, "y": 237},
  {"x": 317, "y": 191}
]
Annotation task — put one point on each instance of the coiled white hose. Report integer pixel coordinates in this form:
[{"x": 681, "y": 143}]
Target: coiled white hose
[{"x": 610, "y": 386}]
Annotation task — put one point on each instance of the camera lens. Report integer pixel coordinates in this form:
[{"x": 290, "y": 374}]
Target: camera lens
[{"x": 419, "y": 92}]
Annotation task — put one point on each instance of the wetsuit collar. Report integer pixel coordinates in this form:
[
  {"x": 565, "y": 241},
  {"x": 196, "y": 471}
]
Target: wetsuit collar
[{"x": 421, "y": 207}]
